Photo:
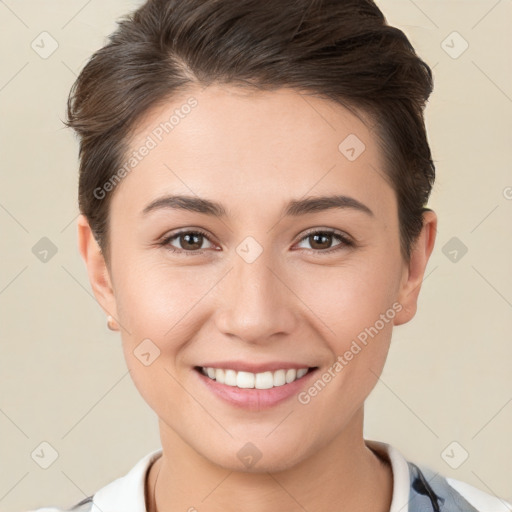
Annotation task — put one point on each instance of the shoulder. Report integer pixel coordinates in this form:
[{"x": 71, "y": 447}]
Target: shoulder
[
  {"x": 432, "y": 491},
  {"x": 126, "y": 493}
]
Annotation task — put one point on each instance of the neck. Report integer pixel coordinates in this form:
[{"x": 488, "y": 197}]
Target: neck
[{"x": 343, "y": 475}]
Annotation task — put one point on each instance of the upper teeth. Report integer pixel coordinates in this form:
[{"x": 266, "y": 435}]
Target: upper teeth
[{"x": 264, "y": 380}]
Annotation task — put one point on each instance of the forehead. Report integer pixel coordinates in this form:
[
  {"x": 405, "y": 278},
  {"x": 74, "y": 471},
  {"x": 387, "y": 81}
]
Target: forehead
[{"x": 267, "y": 146}]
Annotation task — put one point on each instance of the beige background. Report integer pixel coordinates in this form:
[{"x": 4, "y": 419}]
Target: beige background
[{"x": 63, "y": 378}]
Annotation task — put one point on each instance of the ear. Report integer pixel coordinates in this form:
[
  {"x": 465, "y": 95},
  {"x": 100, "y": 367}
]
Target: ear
[
  {"x": 97, "y": 269},
  {"x": 415, "y": 270}
]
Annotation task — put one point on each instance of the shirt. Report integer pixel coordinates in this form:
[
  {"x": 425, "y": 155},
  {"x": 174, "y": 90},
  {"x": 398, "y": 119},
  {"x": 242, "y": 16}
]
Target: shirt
[{"x": 416, "y": 488}]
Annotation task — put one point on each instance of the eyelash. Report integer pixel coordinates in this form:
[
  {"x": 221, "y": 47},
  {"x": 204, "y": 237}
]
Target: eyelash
[{"x": 345, "y": 241}]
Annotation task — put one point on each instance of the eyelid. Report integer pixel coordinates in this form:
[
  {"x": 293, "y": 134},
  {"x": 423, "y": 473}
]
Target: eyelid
[{"x": 331, "y": 231}]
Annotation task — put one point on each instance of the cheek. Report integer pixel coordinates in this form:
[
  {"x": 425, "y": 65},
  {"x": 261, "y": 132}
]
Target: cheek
[
  {"x": 156, "y": 308},
  {"x": 353, "y": 308},
  {"x": 350, "y": 298},
  {"x": 154, "y": 299}
]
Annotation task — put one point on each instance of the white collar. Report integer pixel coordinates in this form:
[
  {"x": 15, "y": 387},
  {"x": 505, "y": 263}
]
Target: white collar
[
  {"x": 401, "y": 475},
  {"x": 127, "y": 492}
]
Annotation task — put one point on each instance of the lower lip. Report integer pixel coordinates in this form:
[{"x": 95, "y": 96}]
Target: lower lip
[{"x": 256, "y": 399}]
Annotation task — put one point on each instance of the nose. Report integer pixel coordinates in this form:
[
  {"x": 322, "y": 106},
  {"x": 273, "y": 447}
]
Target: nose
[{"x": 256, "y": 303}]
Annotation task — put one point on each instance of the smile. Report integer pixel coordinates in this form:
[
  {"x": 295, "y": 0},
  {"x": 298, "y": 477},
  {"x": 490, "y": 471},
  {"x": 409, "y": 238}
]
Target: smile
[{"x": 248, "y": 380}]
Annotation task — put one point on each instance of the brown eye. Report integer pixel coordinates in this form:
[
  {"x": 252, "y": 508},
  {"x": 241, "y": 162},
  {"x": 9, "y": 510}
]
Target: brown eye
[
  {"x": 185, "y": 242},
  {"x": 190, "y": 241},
  {"x": 321, "y": 241}
]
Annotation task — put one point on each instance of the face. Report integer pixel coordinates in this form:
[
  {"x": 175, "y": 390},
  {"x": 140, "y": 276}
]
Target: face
[{"x": 263, "y": 281}]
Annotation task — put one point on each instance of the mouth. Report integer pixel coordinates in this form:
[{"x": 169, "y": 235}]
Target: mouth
[
  {"x": 254, "y": 391},
  {"x": 249, "y": 380}
]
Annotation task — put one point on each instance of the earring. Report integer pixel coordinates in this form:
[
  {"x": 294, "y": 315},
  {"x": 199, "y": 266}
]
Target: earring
[{"x": 111, "y": 324}]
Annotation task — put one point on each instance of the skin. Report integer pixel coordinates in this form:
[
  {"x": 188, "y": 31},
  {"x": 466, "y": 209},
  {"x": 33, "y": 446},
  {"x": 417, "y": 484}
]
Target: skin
[{"x": 254, "y": 152}]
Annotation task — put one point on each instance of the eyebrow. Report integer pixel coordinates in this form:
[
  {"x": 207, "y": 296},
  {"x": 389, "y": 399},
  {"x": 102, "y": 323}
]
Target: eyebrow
[{"x": 294, "y": 208}]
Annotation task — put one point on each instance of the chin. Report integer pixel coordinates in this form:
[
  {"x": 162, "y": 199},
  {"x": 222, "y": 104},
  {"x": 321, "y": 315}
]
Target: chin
[{"x": 257, "y": 457}]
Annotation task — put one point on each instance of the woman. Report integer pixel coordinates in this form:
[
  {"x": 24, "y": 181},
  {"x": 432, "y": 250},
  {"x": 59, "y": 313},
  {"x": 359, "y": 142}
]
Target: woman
[{"x": 253, "y": 186}]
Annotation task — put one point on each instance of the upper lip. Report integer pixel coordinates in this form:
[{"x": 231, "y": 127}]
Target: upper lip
[{"x": 241, "y": 366}]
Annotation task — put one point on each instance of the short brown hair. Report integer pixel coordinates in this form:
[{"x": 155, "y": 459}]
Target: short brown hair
[{"x": 341, "y": 50}]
